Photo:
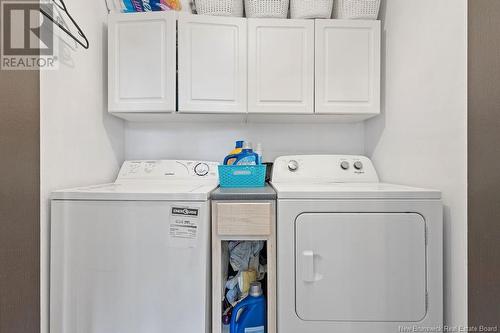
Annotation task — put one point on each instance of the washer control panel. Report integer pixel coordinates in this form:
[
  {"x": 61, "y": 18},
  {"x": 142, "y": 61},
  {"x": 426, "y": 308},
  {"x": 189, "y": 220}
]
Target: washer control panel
[
  {"x": 168, "y": 170},
  {"x": 324, "y": 168}
]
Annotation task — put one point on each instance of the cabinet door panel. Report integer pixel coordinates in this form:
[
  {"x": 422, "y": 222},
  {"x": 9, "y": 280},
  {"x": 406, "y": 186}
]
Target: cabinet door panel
[
  {"x": 141, "y": 62},
  {"x": 280, "y": 65},
  {"x": 347, "y": 66},
  {"x": 212, "y": 64}
]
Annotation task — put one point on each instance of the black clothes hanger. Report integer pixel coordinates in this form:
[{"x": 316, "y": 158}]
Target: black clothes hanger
[{"x": 62, "y": 6}]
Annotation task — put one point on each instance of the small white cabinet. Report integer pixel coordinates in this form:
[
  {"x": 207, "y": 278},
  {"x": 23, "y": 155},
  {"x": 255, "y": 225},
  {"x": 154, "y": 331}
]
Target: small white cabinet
[
  {"x": 141, "y": 62},
  {"x": 347, "y": 60},
  {"x": 280, "y": 66},
  {"x": 212, "y": 64},
  {"x": 245, "y": 220}
]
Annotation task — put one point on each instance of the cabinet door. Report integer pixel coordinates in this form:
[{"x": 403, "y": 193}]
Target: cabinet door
[
  {"x": 347, "y": 66},
  {"x": 280, "y": 65},
  {"x": 141, "y": 62},
  {"x": 212, "y": 64}
]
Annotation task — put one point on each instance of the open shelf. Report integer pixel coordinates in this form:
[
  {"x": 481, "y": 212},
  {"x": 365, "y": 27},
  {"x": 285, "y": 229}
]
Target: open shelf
[{"x": 236, "y": 223}]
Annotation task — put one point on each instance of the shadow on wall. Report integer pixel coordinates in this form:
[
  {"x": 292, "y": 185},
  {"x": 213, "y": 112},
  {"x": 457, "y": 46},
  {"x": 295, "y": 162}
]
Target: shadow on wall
[
  {"x": 375, "y": 126},
  {"x": 65, "y": 45},
  {"x": 446, "y": 274},
  {"x": 212, "y": 141},
  {"x": 111, "y": 123}
]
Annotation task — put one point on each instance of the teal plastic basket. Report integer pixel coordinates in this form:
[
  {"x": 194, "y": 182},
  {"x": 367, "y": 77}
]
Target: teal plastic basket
[{"x": 242, "y": 175}]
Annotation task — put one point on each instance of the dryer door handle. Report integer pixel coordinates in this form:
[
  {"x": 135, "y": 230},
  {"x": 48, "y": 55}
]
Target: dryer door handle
[{"x": 308, "y": 266}]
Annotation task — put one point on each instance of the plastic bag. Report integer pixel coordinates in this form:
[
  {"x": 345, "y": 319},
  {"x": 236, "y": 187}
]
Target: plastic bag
[{"x": 244, "y": 255}]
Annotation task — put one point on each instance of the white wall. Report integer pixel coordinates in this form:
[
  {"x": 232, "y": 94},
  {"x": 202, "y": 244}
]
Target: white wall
[
  {"x": 419, "y": 140},
  {"x": 421, "y": 137},
  {"x": 212, "y": 141},
  {"x": 80, "y": 143}
]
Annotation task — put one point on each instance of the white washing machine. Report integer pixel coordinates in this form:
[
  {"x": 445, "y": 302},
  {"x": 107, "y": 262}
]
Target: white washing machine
[
  {"x": 133, "y": 256},
  {"x": 355, "y": 255}
]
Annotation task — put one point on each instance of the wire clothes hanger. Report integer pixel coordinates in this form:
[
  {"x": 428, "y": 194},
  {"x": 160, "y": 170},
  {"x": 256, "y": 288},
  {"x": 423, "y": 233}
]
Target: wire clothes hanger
[{"x": 62, "y": 6}]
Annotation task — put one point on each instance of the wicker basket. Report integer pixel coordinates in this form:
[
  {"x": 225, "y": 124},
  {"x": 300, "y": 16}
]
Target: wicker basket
[
  {"x": 219, "y": 7},
  {"x": 356, "y": 9},
  {"x": 306, "y": 9},
  {"x": 266, "y": 8}
]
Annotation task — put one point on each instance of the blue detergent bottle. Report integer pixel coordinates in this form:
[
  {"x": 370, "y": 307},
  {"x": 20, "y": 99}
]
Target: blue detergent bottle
[
  {"x": 249, "y": 315},
  {"x": 246, "y": 157}
]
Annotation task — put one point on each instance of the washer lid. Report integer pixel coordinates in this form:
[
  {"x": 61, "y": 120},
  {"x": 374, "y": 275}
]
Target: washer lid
[
  {"x": 352, "y": 191},
  {"x": 138, "y": 192},
  {"x": 173, "y": 180}
]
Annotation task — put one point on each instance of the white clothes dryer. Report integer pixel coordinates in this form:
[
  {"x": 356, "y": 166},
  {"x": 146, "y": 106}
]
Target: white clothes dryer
[{"x": 355, "y": 255}]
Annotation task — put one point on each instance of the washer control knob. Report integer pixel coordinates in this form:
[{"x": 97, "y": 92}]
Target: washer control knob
[
  {"x": 344, "y": 165},
  {"x": 358, "y": 165},
  {"x": 201, "y": 169},
  {"x": 293, "y": 165}
]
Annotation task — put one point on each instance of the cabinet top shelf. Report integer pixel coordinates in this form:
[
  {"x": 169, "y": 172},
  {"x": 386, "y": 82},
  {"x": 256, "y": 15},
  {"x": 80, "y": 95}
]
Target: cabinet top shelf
[{"x": 177, "y": 14}]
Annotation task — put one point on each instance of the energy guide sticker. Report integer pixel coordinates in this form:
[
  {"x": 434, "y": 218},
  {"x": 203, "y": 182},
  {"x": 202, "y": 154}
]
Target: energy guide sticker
[{"x": 183, "y": 228}]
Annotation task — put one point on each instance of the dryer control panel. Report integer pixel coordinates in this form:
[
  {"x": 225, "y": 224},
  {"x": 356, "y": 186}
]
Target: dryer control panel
[
  {"x": 324, "y": 168},
  {"x": 167, "y": 170}
]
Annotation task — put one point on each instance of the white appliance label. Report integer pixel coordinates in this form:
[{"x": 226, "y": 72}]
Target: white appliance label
[
  {"x": 183, "y": 228},
  {"x": 259, "y": 329}
]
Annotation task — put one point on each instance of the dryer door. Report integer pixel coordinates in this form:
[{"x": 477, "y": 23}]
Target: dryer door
[{"x": 360, "y": 267}]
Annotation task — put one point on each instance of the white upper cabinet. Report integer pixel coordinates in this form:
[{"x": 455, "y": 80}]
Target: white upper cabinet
[
  {"x": 347, "y": 64},
  {"x": 167, "y": 62},
  {"x": 280, "y": 66},
  {"x": 212, "y": 59},
  {"x": 141, "y": 62}
]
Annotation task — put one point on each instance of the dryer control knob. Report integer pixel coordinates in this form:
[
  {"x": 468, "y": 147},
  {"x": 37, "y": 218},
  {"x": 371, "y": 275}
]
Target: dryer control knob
[
  {"x": 358, "y": 165},
  {"x": 344, "y": 165},
  {"x": 293, "y": 165}
]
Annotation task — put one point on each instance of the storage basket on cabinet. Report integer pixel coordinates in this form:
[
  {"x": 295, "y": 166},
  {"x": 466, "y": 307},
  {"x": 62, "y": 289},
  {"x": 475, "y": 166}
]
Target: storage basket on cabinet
[
  {"x": 242, "y": 175},
  {"x": 219, "y": 7},
  {"x": 304, "y": 9},
  {"x": 356, "y": 9},
  {"x": 266, "y": 8}
]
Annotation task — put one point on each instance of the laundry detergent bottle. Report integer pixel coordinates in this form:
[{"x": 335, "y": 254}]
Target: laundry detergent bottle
[
  {"x": 249, "y": 315},
  {"x": 237, "y": 149},
  {"x": 246, "y": 157}
]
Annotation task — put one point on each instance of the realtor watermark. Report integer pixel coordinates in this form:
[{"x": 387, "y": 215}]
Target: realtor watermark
[
  {"x": 424, "y": 329},
  {"x": 27, "y": 41}
]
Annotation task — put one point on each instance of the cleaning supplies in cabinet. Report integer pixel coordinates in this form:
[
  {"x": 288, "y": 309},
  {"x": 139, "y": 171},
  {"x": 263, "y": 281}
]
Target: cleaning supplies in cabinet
[
  {"x": 249, "y": 315},
  {"x": 245, "y": 261}
]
